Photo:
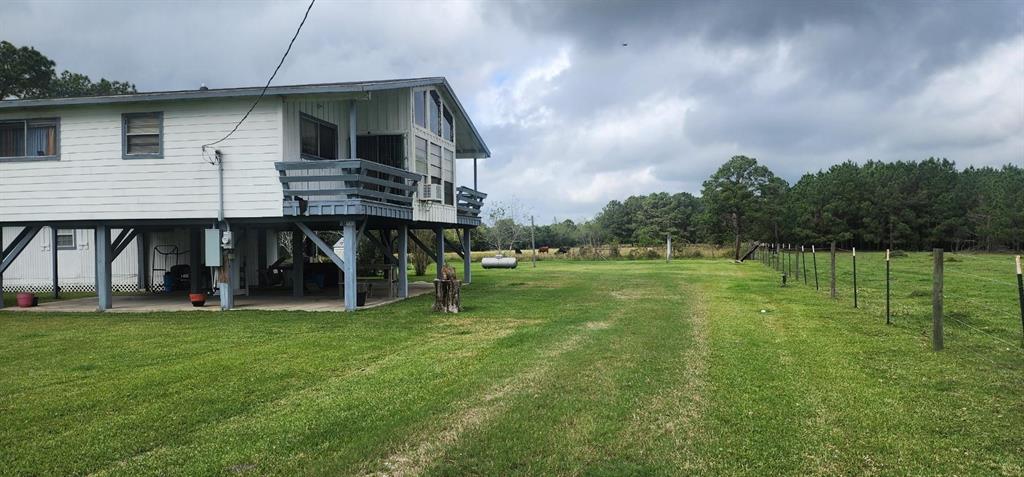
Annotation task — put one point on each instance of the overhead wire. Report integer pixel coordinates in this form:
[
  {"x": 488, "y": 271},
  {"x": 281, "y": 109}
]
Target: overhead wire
[{"x": 269, "y": 80}]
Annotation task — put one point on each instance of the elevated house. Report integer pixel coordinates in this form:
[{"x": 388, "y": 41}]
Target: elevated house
[{"x": 98, "y": 192}]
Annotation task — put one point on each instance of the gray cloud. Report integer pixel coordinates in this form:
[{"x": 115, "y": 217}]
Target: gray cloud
[{"x": 575, "y": 119}]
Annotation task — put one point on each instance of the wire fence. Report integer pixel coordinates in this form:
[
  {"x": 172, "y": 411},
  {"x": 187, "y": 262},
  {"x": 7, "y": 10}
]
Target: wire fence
[{"x": 982, "y": 297}]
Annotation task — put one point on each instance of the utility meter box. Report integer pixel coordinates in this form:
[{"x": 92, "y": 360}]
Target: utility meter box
[{"x": 211, "y": 244}]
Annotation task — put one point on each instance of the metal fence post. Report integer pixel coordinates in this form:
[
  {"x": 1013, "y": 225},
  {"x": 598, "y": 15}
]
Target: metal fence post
[
  {"x": 854, "y": 255},
  {"x": 888, "y": 320},
  {"x": 803, "y": 259},
  {"x": 814, "y": 261},
  {"x": 832, "y": 286}
]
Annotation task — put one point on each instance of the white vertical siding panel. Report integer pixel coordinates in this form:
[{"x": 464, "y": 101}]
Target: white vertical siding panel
[{"x": 76, "y": 267}]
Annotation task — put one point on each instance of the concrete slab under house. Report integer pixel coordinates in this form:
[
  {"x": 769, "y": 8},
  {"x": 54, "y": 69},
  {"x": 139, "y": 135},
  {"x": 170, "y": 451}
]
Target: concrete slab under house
[{"x": 138, "y": 194}]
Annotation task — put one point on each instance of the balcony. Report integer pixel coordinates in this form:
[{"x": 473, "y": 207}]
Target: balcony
[
  {"x": 346, "y": 187},
  {"x": 468, "y": 203}
]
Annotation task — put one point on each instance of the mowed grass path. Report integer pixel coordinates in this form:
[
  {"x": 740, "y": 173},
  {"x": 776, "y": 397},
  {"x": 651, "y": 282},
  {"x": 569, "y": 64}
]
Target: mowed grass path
[{"x": 606, "y": 368}]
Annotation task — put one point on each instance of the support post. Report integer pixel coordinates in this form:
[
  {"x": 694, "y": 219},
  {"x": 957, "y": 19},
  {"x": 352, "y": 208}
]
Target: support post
[
  {"x": 467, "y": 257},
  {"x": 439, "y": 258},
  {"x": 854, "y": 257},
  {"x": 226, "y": 274},
  {"x": 104, "y": 286},
  {"x": 351, "y": 242},
  {"x": 298, "y": 264},
  {"x": 403, "y": 261},
  {"x": 832, "y": 282},
  {"x": 142, "y": 260},
  {"x": 474, "y": 175},
  {"x": 888, "y": 319},
  {"x": 814, "y": 261},
  {"x": 261, "y": 257},
  {"x": 937, "y": 334},
  {"x": 1, "y": 268},
  {"x": 668, "y": 248},
  {"x": 195, "y": 245},
  {"x": 53, "y": 262}
]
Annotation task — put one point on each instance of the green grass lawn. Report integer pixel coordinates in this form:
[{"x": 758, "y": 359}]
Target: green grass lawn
[{"x": 607, "y": 368}]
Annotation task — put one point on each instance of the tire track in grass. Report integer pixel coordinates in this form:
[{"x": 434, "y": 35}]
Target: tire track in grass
[
  {"x": 673, "y": 415},
  {"x": 287, "y": 403},
  {"x": 426, "y": 449}
]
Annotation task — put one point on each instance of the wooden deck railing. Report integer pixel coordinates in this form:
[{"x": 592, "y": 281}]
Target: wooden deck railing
[
  {"x": 347, "y": 179},
  {"x": 469, "y": 201}
]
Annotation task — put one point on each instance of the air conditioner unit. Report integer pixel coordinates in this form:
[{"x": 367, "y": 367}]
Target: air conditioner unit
[{"x": 432, "y": 192}]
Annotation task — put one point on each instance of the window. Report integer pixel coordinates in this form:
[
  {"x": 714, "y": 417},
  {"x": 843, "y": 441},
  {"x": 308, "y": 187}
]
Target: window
[
  {"x": 448, "y": 166},
  {"x": 319, "y": 138},
  {"x": 66, "y": 239},
  {"x": 434, "y": 106},
  {"x": 419, "y": 106},
  {"x": 435, "y": 161},
  {"x": 421, "y": 156},
  {"x": 449, "y": 193},
  {"x": 142, "y": 135},
  {"x": 447, "y": 131},
  {"x": 29, "y": 140}
]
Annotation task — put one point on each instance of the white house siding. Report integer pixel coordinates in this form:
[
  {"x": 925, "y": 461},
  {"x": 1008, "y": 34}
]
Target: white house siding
[
  {"x": 332, "y": 111},
  {"x": 91, "y": 181},
  {"x": 31, "y": 271},
  {"x": 387, "y": 112},
  {"x": 433, "y": 212}
]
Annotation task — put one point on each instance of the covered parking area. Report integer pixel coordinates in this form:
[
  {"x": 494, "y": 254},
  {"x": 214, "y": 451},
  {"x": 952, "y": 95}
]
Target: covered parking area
[{"x": 258, "y": 268}]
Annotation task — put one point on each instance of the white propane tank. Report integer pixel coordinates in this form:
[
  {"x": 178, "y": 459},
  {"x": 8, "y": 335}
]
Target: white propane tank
[{"x": 499, "y": 262}]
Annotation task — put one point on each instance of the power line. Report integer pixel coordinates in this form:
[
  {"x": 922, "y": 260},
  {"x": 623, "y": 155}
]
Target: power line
[{"x": 265, "y": 87}]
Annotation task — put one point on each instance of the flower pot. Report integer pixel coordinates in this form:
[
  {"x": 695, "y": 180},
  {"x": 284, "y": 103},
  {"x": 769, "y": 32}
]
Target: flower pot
[
  {"x": 26, "y": 300},
  {"x": 197, "y": 299}
]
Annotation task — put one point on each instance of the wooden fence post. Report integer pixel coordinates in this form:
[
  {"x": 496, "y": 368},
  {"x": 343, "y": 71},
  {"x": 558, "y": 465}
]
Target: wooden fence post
[
  {"x": 1020, "y": 293},
  {"x": 888, "y": 320},
  {"x": 937, "y": 337},
  {"x": 854, "y": 256},
  {"x": 832, "y": 287},
  {"x": 814, "y": 261}
]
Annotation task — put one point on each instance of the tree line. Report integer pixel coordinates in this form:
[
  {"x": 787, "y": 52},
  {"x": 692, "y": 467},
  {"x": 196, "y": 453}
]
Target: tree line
[
  {"x": 909, "y": 205},
  {"x": 25, "y": 73}
]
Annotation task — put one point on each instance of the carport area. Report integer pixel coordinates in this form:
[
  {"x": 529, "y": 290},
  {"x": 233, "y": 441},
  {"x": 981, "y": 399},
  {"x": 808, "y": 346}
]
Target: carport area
[{"x": 163, "y": 302}]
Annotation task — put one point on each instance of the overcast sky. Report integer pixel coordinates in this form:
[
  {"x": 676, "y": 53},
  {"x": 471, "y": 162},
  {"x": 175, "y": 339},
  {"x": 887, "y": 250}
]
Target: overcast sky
[{"x": 574, "y": 118}]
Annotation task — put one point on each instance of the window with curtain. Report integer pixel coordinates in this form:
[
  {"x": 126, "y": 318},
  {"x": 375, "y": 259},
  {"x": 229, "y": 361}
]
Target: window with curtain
[
  {"x": 29, "y": 139},
  {"x": 318, "y": 138},
  {"x": 143, "y": 135}
]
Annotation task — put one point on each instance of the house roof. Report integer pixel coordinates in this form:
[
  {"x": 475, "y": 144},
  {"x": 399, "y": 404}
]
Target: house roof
[{"x": 469, "y": 143}]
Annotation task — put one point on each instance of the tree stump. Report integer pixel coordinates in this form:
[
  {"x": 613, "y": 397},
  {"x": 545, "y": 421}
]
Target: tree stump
[{"x": 446, "y": 292}]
